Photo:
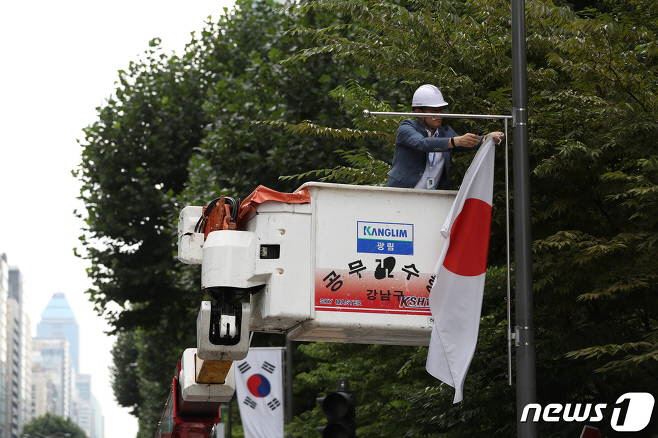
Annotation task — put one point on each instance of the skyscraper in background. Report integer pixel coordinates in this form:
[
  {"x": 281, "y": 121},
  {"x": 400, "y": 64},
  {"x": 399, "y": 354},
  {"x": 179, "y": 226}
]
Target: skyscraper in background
[
  {"x": 87, "y": 413},
  {"x": 19, "y": 369},
  {"x": 58, "y": 322},
  {"x": 4, "y": 292},
  {"x": 82, "y": 408},
  {"x": 51, "y": 372},
  {"x": 99, "y": 420},
  {"x": 26, "y": 355},
  {"x": 57, "y": 343}
]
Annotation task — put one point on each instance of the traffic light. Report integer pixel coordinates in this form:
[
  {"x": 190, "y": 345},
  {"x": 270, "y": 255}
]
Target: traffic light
[{"x": 340, "y": 410}]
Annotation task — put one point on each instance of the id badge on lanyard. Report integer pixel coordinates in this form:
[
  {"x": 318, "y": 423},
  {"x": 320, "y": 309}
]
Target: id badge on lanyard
[
  {"x": 429, "y": 182},
  {"x": 431, "y": 161}
]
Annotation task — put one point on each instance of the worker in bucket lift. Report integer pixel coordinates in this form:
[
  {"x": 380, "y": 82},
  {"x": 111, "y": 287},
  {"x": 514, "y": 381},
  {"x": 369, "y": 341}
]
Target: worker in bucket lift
[{"x": 423, "y": 147}]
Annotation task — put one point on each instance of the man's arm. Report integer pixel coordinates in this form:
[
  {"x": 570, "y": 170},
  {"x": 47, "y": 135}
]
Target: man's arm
[
  {"x": 408, "y": 137},
  {"x": 466, "y": 142}
]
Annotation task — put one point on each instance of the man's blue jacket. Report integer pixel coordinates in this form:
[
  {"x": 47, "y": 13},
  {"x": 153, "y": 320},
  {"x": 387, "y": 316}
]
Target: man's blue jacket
[{"x": 411, "y": 148}]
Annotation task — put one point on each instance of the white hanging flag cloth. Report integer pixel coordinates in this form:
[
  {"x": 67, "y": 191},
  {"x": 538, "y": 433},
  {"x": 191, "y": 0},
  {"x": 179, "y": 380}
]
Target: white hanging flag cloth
[
  {"x": 259, "y": 387},
  {"x": 456, "y": 296}
]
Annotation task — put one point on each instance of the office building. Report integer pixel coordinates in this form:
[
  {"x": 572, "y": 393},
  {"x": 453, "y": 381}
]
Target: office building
[
  {"x": 99, "y": 421},
  {"x": 4, "y": 293},
  {"x": 87, "y": 411},
  {"x": 19, "y": 370},
  {"x": 58, "y": 322},
  {"x": 51, "y": 377}
]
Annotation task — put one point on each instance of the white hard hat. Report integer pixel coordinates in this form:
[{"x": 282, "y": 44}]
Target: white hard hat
[{"x": 428, "y": 95}]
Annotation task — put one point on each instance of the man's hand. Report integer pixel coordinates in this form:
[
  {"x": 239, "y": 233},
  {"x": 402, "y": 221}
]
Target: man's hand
[
  {"x": 497, "y": 136},
  {"x": 467, "y": 140}
]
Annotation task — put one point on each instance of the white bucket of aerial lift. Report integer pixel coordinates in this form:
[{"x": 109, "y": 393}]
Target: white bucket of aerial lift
[
  {"x": 355, "y": 265},
  {"x": 199, "y": 393},
  {"x": 209, "y": 351},
  {"x": 230, "y": 259},
  {"x": 190, "y": 243}
]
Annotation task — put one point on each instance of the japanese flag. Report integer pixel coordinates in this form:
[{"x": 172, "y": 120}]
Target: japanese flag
[
  {"x": 259, "y": 387},
  {"x": 456, "y": 296}
]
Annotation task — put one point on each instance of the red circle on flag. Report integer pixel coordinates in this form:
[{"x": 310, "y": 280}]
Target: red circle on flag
[
  {"x": 469, "y": 239},
  {"x": 258, "y": 385}
]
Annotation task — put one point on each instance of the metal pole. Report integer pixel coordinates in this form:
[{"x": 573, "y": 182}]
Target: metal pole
[
  {"x": 524, "y": 330},
  {"x": 509, "y": 265},
  {"x": 288, "y": 396},
  {"x": 368, "y": 113},
  {"x": 229, "y": 423}
]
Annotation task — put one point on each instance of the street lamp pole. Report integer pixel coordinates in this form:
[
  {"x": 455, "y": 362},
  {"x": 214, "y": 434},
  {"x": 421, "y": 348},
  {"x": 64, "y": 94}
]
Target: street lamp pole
[{"x": 526, "y": 391}]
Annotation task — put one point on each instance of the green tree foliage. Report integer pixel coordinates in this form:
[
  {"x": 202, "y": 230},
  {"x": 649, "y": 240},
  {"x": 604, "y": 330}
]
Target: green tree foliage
[
  {"x": 134, "y": 158},
  {"x": 252, "y": 94},
  {"x": 125, "y": 372},
  {"x": 52, "y": 426}
]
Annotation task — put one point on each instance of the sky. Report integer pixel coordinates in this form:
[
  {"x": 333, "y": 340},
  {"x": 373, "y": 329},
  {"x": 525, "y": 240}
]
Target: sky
[{"x": 58, "y": 63}]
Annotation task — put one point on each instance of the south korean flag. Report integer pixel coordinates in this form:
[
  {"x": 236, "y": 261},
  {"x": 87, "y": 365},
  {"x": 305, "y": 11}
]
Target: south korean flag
[{"x": 259, "y": 386}]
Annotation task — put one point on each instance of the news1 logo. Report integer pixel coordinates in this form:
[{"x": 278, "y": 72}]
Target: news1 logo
[{"x": 630, "y": 413}]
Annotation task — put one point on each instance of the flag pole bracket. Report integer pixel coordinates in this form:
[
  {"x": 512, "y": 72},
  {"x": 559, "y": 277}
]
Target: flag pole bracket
[
  {"x": 519, "y": 117},
  {"x": 521, "y": 336}
]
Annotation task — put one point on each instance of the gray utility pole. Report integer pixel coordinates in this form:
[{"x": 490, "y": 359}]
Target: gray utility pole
[
  {"x": 289, "y": 376},
  {"x": 526, "y": 391}
]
